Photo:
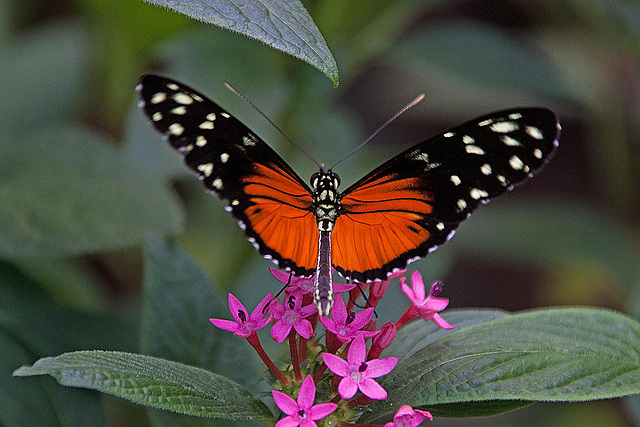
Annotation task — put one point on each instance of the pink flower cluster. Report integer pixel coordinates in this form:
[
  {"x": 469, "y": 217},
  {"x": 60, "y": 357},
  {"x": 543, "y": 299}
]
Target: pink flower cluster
[{"x": 352, "y": 368}]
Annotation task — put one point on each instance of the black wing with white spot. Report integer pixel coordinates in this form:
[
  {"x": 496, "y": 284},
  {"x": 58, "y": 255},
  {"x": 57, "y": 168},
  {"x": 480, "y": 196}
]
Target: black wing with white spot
[
  {"x": 262, "y": 191},
  {"x": 418, "y": 198}
]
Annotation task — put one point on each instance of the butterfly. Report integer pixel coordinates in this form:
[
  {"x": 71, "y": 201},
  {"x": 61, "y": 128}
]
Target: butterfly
[{"x": 399, "y": 212}]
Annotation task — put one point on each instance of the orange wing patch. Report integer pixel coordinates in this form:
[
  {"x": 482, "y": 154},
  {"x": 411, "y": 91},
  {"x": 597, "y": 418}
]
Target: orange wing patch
[
  {"x": 381, "y": 224},
  {"x": 280, "y": 216}
]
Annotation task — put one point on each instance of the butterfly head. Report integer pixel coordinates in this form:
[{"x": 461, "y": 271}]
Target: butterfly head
[{"x": 325, "y": 179}]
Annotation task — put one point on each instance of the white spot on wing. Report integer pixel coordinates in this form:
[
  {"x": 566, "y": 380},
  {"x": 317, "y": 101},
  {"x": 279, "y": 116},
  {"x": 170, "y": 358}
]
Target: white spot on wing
[
  {"x": 537, "y": 153},
  {"x": 440, "y": 226},
  {"x": 225, "y": 115},
  {"x": 456, "y": 180},
  {"x": 206, "y": 168},
  {"x": 158, "y": 98},
  {"x": 248, "y": 141},
  {"x": 217, "y": 183},
  {"x": 504, "y": 127},
  {"x": 176, "y": 129},
  {"x": 515, "y": 116},
  {"x": 510, "y": 141},
  {"x": 448, "y": 134},
  {"x": 173, "y": 86},
  {"x": 516, "y": 163},
  {"x": 206, "y": 125},
  {"x": 181, "y": 110},
  {"x": 485, "y": 122},
  {"x": 468, "y": 140},
  {"x": 461, "y": 204},
  {"x": 224, "y": 157},
  {"x": 182, "y": 98},
  {"x": 157, "y": 116},
  {"x": 474, "y": 149},
  {"x": 201, "y": 141},
  {"x": 211, "y": 116},
  {"x": 534, "y": 132},
  {"x": 486, "y": 169},
  {"x": 476, "y": 193}
]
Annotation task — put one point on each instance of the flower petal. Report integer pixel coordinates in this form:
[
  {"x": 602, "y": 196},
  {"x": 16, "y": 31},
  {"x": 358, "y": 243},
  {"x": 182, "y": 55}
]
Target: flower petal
[
  {"x": 336, "y": 364},
  {"x": 357, "y": 352},
  {"x": 235, "y": 306},
  {"x": 307, "y": 393},
  {"x": 441, "y": 322},
  {"x": 347, "y": 388},
  {"x": 259, "y": 312},
  {"x": 339, "y": 311},
  {"x": 322, "y": 410},
  {"x": 285, "y": 403},
  {"x": 304, "y": 328},
  {"x": 371, "y": 389},
  {"x": 288, "y": 422},
  {"x": 227, "y": 325},
  {"x": 407, "y": 291},
  {"x": 329, "y": 324},
  {"x": 379, "y": 367},
  {"x": 418, "y": 285},
  {"x": 361, "y": 318},
  {"x": 280, "y": 330}
]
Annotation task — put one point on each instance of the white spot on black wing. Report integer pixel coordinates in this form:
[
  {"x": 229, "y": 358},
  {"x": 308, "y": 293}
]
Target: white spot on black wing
[
  {"x": 176, "y": 129},
  {"x": 158, "y": 98}
]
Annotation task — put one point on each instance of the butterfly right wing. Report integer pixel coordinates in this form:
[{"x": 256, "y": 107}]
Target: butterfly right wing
[
  {"x": 413, "y": 203},
  {"x": 270, "y": 201}
]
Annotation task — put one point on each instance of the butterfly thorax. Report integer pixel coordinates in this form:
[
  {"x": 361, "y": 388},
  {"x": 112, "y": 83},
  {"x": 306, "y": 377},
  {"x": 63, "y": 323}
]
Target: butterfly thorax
[{"x": 325, "y": 198}]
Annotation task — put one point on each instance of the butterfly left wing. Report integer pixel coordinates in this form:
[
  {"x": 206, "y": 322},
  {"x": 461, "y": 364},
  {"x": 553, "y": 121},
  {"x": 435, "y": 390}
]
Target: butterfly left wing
[
  {"x": 272, "y": 204},
  {"x": 413, "y": 203}
]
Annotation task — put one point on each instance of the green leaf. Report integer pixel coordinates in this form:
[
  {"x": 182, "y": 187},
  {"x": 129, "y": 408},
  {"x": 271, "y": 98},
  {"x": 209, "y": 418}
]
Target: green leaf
[
  {"x": 418, "y": 334},
  {"x": 553, "y": 232},
  {"x": 284, "y": 25},
  {"x": 563, "y": 354},
  {"x": 66, "y": 191},
  {"x": 484, "y": 56},
  {"x": 153, "y": 382},
  {"x": 41, "y": 74},
  {"x": 179, "y": 300},
  {"x": 30, "y": 325}
]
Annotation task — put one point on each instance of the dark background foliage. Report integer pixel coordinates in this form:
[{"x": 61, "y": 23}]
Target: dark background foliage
[{"x": 83, "y": 178}]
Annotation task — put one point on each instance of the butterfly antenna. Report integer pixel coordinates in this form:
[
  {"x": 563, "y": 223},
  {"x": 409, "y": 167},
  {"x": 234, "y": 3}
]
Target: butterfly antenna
[
  {"x": 272, "y": 123},
  {"x": 395, "y": 116}
]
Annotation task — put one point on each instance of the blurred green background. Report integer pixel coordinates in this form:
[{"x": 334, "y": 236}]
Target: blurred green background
[{"x": 83, "y": 177}]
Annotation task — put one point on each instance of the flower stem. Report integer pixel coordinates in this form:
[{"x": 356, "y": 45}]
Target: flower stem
[
  {"x": 255, "y": 343},
  {"x": 407, "y": 317},
  {"x": 295, "y": 360}
]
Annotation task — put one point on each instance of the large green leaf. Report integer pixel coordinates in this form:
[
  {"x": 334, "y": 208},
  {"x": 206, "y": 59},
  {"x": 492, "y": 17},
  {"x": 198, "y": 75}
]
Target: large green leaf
[
  {"x": 31, "y": 326},
  {"x": 153, "y": 382},
  {"x": 551, "y": 232},
  {"x": 178, "y": 302},
  {"x": 564, "y": 354},
  {"x": 66, "y": 191},
  {"x": 284, "y": 25},
  {"x": 41, "y": 74},
  {"x": 484, "y": 55}
]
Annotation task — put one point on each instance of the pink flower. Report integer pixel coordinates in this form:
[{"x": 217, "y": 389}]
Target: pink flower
[
  {"x": 292, "y": 315},
  {"x": 244, "y": 327},
  {"x": 306, "y": 284},
  {"x": 344, "y": 325},
  {"x": 357, "y": 372},
  {"x": 427, "y": 307},
  {"x": 302, "y": 413},
  {"x": 409, "y": 417}
]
